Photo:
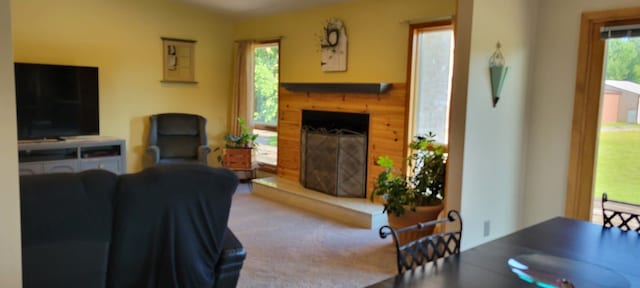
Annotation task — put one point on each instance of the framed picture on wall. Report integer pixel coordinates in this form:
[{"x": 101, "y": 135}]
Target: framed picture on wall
[{"x": 178, "y": 60}]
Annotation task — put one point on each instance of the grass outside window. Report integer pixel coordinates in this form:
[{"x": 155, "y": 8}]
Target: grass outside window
[{"x": 618, "y": 166}]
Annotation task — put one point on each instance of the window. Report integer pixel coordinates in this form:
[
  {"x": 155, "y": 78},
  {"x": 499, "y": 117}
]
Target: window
[
  {"x": 617, "y": 157},
  {"x": 431, "y": 79},
  {"x": 265, "y": 117}
]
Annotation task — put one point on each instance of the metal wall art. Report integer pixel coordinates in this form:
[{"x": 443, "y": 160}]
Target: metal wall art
[
  {"x": 334, "y": 46},
  {"x": 178, "y": 60},
  {"x": 498, "y": 72}
]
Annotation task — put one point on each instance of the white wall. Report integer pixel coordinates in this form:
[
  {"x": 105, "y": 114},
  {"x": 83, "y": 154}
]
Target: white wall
[
  {"x": 551, "y": 106},
  {"x": 495, "y": 138},
  {"x": 10, "y": 253}
]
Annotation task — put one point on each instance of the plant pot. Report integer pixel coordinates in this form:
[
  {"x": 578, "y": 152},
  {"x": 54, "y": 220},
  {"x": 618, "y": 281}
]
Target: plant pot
[
  {"x": 422, "y": 214},
  {"x": 237, "y": 158}
]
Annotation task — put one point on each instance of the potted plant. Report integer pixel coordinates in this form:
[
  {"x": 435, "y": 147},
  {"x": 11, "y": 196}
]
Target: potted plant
[
  {"x": 237, "y": 153},
  {"x": 245, "y": 139},
  {"x": 417, "y": 197}
]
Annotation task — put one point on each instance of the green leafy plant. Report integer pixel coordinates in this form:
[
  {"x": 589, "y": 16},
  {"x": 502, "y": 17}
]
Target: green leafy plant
[
  {"x": 425, "y": 184},
  {"x": 246, "y": 139}
]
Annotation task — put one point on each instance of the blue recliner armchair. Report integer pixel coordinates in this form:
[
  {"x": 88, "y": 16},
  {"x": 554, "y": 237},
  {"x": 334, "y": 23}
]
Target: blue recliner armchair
[{"x": 178, "y": 138}]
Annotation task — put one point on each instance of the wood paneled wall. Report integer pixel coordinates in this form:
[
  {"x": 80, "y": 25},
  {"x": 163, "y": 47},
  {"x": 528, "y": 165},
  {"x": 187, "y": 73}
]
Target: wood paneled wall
[{"x": 387, "y": 122}]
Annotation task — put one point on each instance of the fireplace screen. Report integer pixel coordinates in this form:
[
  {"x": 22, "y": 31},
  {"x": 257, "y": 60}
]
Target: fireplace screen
[{"x": 334, "y": 161}]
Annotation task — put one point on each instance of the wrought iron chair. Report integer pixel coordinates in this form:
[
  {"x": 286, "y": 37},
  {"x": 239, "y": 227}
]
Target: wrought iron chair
[
  {"x": 620, "y": 214},
  {"x": 428, "y": 248}
]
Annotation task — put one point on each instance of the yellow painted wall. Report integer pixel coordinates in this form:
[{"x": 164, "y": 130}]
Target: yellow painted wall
[
  {"x": 122, "y": 38},
  {"x": 10, "y": 261},
  {"x": 377, "y": 35}
]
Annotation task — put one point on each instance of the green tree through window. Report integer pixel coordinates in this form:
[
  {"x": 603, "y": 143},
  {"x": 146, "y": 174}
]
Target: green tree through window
[
  {"x": 265, "y": 116},
  {"x": 266, "y": 84},
  {"x": 623, "y": 62}
]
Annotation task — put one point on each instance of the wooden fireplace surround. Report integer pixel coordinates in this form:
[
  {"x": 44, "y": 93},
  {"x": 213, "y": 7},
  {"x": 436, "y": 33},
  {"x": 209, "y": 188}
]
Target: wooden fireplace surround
[{"x": 387, "y": 123}]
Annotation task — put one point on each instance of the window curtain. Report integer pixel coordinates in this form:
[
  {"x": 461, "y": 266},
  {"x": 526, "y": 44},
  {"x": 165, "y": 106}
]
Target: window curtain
[{"x": 242, "y": 105}]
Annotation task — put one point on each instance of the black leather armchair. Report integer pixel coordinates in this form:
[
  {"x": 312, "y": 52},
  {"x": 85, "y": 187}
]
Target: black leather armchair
[{"x": 178, "y": 138}]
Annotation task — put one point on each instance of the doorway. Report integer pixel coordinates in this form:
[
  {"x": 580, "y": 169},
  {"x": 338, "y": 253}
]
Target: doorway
[
  {"x": 617, "y": 156},
  {"x": 587, "y": 104}
]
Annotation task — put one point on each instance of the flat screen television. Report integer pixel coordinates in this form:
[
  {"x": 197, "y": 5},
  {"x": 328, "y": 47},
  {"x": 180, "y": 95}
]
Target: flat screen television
[{"x": 56, "y": 101}]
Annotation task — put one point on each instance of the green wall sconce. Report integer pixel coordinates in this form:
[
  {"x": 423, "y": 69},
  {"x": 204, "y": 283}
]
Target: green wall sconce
[{"x": 498, "y": 72}]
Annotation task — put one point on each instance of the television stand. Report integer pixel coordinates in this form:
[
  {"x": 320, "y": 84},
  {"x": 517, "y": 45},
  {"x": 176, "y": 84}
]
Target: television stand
[
  {"x": 43, "y": 140},
  {"x": 72, "y": 155}
]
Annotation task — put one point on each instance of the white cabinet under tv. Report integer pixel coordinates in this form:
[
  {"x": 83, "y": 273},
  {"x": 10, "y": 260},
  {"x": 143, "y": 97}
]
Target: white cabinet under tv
[{"x": 72, "y": 155}]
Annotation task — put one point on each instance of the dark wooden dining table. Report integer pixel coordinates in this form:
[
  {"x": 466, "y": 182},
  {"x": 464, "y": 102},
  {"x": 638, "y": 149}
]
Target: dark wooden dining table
[{"x": 589, "y": 245}]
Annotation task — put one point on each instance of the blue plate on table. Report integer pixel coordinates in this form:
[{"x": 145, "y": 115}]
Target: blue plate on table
[{"x": 551, "y": 271}]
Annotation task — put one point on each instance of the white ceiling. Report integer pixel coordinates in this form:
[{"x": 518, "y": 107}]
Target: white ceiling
[{"x": 250, "y": 8}]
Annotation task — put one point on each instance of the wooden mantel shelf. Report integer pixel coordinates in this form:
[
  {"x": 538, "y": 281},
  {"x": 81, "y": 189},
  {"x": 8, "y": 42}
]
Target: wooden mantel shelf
[{"x": 368, "y": 88}]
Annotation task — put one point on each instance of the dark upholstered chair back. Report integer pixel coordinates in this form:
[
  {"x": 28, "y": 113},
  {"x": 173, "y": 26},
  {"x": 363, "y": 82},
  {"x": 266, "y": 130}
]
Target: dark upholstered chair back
[
  {"x": 178, "y": 137},
  {"x": 66, "y": 230},
  {"x": 174, "y": 216}
]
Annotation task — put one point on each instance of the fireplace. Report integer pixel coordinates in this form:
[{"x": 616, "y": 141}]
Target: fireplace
[
  {"x": 333, "y": 152},
  {"x": 386, "y": 134}
]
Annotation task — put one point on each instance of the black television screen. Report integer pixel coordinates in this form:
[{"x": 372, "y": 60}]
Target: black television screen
[{"x": 56, "y": 101}]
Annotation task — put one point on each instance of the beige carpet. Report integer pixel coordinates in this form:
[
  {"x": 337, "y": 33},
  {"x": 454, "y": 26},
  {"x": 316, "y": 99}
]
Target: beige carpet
[{"x": 287, "y": 247}]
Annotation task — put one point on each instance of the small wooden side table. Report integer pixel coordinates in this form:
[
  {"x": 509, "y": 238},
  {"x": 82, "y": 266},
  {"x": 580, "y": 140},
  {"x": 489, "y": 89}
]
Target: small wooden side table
[
  {"x": 240, "y": 161},
  {"x": 246, "y": 175}
]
